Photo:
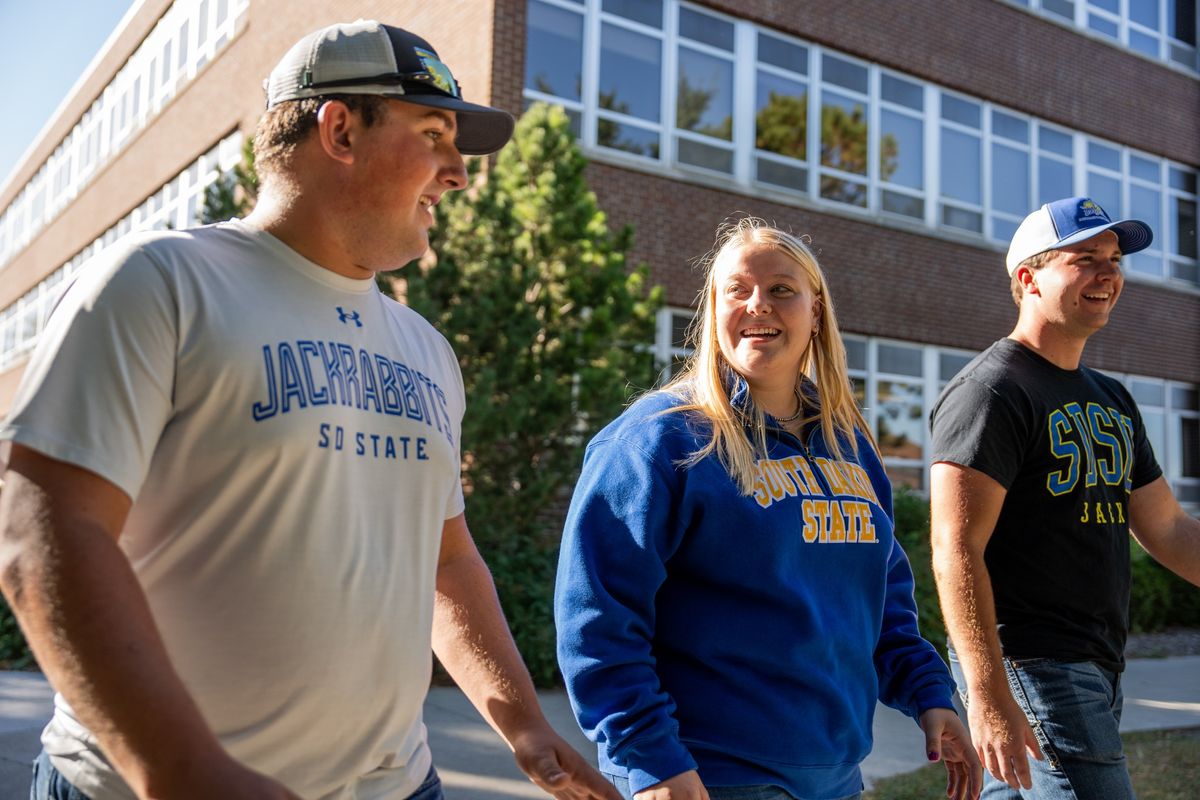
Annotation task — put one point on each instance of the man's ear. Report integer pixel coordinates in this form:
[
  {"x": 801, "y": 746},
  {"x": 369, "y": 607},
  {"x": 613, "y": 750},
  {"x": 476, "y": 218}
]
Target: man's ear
[
  {"x": 336, "y": 126},
  {"x": 1028, "y": 280}
]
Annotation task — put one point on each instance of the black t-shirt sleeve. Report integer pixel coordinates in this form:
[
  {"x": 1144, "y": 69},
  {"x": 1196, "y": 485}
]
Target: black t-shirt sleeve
[
  {"x": 975, "y": 426},
  {"x": 1145, "y": 466}
]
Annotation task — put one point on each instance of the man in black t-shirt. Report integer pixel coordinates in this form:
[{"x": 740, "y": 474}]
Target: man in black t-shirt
[{"x": 1041, "y": 470}]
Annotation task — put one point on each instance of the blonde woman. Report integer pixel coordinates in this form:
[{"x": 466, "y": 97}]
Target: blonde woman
[{"x": 731, "y": 602}]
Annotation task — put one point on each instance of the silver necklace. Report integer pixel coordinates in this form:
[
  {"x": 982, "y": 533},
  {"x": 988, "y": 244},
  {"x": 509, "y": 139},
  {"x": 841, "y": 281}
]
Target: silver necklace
[{"x": 799, "y": 410}]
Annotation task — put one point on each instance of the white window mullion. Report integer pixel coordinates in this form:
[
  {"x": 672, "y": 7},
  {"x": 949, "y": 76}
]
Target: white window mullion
[
  {"x": 874, "y": 125},
  {"x": 932, "y": 376},
  {"x": 871, "y": 395},
  {"x": 985, "y": 160},
  {"x": 1079, "y": 164},
  {"x": 745, "y": 47},
  {"x": 815, "y": 92},
  {"x": 590, "y": 78},
  {"x": 670, "y": 81},
  {"x": 933, "y": 141}
]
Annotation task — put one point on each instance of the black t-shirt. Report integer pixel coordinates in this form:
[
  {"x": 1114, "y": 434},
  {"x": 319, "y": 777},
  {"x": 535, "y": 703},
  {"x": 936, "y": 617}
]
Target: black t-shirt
[{"x": 1069, "y": 446}]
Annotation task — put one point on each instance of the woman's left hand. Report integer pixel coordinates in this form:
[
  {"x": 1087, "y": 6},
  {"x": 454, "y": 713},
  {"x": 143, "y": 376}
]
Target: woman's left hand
[{"x": 946, "y": 740}]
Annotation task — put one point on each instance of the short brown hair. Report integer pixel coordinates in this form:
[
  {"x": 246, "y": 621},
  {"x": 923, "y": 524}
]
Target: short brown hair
[
  {"x": 1034, "y": 263},
  {"x": 282, "y": 128}
]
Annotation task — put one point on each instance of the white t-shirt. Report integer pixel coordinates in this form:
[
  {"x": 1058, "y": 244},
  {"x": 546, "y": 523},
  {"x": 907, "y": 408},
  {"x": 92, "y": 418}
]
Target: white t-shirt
[{"x": 290, "y": 438}]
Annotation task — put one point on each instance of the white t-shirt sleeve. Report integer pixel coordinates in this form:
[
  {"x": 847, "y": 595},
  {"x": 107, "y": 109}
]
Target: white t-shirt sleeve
[
  {"x": 98, "y": 389},
  {"x": 455, "y": 504}
]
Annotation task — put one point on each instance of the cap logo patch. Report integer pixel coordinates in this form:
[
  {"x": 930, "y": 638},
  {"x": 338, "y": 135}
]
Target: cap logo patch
[
  {"x": 1089, "y": 213},
  {"x": 439, "y": 73}
]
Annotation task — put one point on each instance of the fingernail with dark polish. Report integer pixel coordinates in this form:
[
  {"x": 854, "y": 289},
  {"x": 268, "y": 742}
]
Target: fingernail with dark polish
[{"x": 933, "y": 756}]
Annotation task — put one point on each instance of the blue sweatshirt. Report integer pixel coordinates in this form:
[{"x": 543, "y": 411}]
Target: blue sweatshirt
[{"x": 746, "y": 636}]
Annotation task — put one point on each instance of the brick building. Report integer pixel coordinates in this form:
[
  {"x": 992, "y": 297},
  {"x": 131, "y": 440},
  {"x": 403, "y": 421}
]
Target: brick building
[{"x": 907, "y": 140}]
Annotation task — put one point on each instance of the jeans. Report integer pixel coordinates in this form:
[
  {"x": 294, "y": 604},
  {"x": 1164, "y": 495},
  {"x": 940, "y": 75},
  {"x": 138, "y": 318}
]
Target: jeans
[
  {"x": 431, "y": 789},
  {"x": 49, "y": 784},
  {"x": 762, "y": 792},
  {"x": 1074, "y": 709}
]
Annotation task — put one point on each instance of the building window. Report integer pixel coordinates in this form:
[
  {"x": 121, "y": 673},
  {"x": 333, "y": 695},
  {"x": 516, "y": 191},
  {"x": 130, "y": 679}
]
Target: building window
[
  {"x": 175, "y": 205},
  {"x": 555, "y": 51},
  {"x": 145, "y": 83},
  {"x": 630, "y": 79},
  {"x": 1181, "y": 215},
  {"x": 671, "y": 340},
  {"x": 901, "y": 147},
  {"x": 845, "y": 124},
  {"x": 704, "y": 92},
  {"x": 962, "y": 163},
  {"x": 1171, "y": 414},
  {"x": 672, "y": 88},
  {"x": 781, "y": 113},
  {"x": 1011, "y": 175},
  {"x": 1164, "y": 30}
]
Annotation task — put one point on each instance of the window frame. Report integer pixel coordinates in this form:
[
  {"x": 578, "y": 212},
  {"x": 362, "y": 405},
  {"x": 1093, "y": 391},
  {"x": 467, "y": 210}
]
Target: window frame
[{"x": 1050, "y": 150}]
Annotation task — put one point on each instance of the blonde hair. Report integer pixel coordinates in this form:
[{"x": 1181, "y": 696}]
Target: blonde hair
[{"x": 703, "y": 384}]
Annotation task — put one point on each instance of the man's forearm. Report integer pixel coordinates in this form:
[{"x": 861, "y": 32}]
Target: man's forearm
[
  {"x": 968, "y": 607},
  {"x": 1181, "y": 553},
  {"x": 88, "y": 623},
  {"x": 964, "y": 511},
  {"x": 472, "y": 640}
]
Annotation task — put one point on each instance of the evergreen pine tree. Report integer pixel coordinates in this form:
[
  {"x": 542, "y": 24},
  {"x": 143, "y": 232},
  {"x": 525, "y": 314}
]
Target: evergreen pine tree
[
  {"x": 552, "y": 332},
  {"x": 234, "y": 193}
]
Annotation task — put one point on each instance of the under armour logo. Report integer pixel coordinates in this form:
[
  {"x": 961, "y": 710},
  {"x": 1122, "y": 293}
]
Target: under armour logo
[{"x": 347, "y": 318}]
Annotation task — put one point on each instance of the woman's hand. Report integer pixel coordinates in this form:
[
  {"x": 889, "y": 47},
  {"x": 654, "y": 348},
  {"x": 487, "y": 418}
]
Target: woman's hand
[
  {"x": 946, "y": 740},
  {"x": 684, "y": 786}
]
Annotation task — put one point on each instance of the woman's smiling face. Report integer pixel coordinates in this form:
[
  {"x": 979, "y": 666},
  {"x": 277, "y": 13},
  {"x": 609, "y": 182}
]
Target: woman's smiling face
[{"x": 766, "y": 314}]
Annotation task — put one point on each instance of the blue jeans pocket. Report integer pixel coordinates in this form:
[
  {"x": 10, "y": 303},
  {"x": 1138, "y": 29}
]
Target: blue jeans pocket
[
  {"x": 48, "y": 783},
  {"x": 1012, "y": 671}
]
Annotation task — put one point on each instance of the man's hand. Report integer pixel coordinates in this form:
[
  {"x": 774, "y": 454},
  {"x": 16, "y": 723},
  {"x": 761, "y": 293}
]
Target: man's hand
[
  {"x": 471, "y": 639},
  {"x": 946, "y": 740},
  {"x": 555, "y": 767},
  {"x": 684, "y": 786},
  {"x": 1002, "y": 736}
]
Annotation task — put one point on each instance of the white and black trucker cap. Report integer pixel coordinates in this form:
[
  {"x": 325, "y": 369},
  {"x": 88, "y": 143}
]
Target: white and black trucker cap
[{"x": 367, "y": 57}]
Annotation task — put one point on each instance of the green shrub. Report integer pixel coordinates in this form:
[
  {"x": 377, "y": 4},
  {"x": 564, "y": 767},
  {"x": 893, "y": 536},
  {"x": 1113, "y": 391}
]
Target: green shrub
[
  {"x": 1158, "y": 597},
  {"x": 550, "y": 323},
  {"x": 912, "y": 530},
  {"x": 14, "y": 652}
]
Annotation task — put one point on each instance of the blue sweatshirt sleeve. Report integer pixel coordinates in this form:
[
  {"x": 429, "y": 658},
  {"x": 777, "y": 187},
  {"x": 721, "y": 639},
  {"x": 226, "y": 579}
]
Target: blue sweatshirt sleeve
[
  {"x": 619, "y": 533},
  {"x": 912, "y": 676}
]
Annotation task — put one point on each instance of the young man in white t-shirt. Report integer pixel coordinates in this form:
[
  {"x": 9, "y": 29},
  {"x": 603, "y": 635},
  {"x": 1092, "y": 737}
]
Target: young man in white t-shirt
[{"x": 232, "y": 523}]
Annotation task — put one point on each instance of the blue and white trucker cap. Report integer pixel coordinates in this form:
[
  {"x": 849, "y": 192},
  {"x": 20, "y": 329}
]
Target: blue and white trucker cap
[
  {"x": 367, "y": 57},
  {"x": 1066, "y": 222}
]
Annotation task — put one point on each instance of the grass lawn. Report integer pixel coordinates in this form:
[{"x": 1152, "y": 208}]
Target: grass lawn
[{"x": 1164, "y": 765}]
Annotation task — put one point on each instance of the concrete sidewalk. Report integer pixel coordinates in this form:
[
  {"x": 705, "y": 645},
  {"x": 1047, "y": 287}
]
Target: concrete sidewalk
[{"x": 476, "y": 765}]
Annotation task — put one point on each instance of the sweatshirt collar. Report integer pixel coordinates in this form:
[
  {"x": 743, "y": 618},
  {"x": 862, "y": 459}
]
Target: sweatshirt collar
[{"x": 739, "y": 392}]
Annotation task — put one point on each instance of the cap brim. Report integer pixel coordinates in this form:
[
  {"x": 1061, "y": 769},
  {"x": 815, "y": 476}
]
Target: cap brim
[
  {"x": 1132, "y": 235},
  {"x": 481, "y": 129}
]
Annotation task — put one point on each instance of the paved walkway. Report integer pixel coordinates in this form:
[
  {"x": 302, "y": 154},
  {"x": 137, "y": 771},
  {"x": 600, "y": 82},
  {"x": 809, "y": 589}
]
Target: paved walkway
[{"x": 476, "y": 765}]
